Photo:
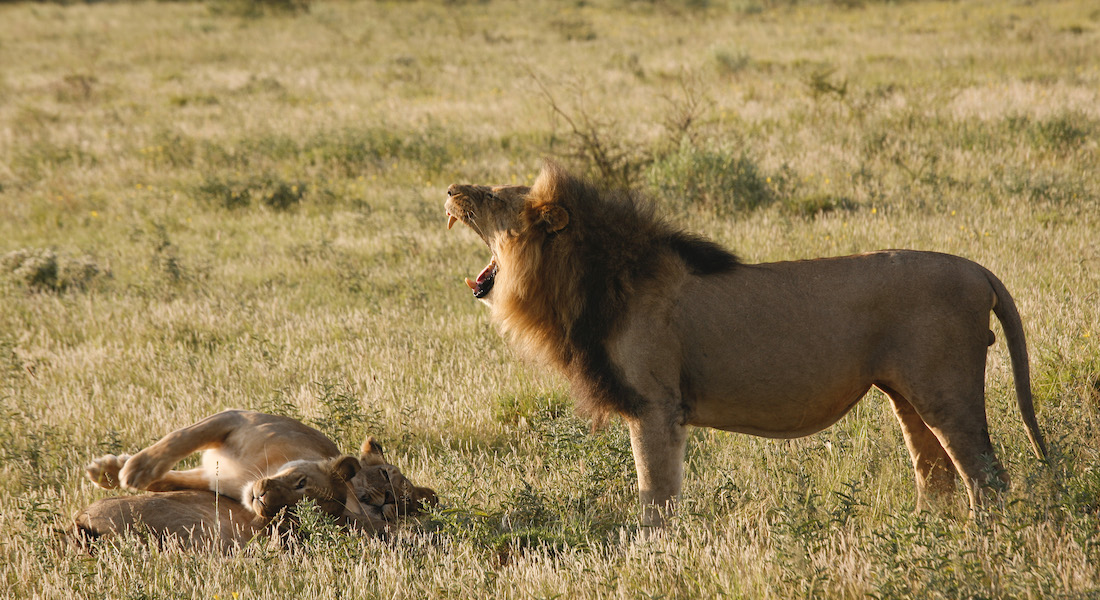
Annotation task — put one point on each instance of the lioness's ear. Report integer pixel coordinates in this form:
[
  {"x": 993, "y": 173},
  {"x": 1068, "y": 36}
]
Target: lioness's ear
[
  {"x": 345, "y": 467},
  {"x": 554, "y": 217},
  {"x": 371, "y": 453}
]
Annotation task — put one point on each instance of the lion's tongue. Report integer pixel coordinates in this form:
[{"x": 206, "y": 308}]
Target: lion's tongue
[{"x": 484, "y": 281}]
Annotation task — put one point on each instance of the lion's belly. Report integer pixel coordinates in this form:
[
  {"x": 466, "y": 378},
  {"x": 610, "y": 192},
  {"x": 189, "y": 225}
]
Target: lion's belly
[
  {"x": 785, "y": 413},
  {"x": 786, "y": 351},
  {"x": 785, "y": 388}
]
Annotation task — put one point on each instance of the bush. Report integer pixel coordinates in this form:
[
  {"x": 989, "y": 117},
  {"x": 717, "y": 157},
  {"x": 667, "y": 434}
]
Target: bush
[
  {"x": 42, "y": 270},
  {"x": 233, "y": 193},
  {"x": 718, "y": 180},
  {"x": 258, "y": 8}
]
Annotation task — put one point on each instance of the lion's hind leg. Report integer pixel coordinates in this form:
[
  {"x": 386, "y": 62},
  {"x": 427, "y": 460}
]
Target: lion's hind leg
[
  {"x": 935, "y": 472},
  {"x": 956, "y": 415}
]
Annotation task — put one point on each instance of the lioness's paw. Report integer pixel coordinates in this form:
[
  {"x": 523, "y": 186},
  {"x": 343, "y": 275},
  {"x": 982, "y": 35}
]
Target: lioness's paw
[
  {"x": 141, "y": 470},
  {"x": 104, "y": 470}
]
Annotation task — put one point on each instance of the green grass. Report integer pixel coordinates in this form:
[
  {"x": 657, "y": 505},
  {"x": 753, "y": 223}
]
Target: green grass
[{"x": 219, "y": 205}]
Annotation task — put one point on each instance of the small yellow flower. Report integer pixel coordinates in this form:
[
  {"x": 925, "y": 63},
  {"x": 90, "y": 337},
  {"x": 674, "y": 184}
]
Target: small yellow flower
[
  {"x": 137, "y": 186},
  {"x": 95, "y": 214},
  {"x": 769, "y": 179},
  {"x": 874, "y": 210},
  {"x": 952, "y": 213}
]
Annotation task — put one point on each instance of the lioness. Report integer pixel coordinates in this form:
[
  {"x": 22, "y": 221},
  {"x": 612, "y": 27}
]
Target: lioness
[
  {"x": 196, "y": 520},
  {"x": 363, "y": 498},
  {"x": 265, "y": 463},
  {"x": 669, "y": 330}
]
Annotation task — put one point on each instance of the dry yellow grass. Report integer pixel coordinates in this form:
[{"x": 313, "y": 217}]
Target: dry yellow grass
[{"x": 260, "y": 200}]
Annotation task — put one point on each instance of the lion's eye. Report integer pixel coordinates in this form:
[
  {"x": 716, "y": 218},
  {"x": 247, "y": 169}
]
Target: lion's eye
[{"x": 301, "y": 484}]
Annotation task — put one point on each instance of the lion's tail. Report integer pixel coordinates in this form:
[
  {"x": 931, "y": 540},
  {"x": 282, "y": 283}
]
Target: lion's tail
[{"x": 1005, "y": 309}]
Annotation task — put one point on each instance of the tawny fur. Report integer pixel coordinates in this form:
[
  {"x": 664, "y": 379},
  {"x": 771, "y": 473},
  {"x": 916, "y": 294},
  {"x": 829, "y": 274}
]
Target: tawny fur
[
  {"x": 195, "y": 520},
  {"x": 668, "y": 330},
  {"x": 252, "y": 462}
]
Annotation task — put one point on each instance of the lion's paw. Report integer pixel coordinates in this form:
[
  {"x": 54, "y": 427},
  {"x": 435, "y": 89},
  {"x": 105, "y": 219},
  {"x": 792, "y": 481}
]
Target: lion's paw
[
  {"x": 104, "y": 470},
  {"x": 141, "y": 470}
]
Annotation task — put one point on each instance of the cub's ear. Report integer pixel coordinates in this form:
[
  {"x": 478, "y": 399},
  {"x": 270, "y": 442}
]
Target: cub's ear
[
  {"x": 371, "y": 452},
  {"x": 345, "y": 467},
  {"x": 553, "y": 217}
]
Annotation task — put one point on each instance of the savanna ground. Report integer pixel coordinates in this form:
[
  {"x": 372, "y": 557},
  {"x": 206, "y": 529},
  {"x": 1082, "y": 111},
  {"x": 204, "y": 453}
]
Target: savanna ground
[{"x": 231, "y": 204}]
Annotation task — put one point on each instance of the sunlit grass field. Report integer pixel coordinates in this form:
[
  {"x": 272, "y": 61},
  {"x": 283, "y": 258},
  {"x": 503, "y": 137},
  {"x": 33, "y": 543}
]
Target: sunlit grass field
[{"x": 234, "y": 204}]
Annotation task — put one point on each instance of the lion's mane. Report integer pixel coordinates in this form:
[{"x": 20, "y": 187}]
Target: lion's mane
[{"x": 566, "y": 291}]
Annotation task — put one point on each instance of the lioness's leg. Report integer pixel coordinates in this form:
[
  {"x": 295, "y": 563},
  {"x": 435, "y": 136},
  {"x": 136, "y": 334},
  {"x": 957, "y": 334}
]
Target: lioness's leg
[
  {"x": 934, "y": 469},
  {"x": 145, "y": 468},
  {"x": 657, "y": 442},
  {"x": 191, "y": 479},
  {"x": 104, "y": 472}
]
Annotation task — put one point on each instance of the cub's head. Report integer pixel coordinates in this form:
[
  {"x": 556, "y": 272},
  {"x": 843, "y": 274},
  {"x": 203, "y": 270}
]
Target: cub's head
[
  {"x": 381, "y": 487},
  {"x": 325, "y": 482}
]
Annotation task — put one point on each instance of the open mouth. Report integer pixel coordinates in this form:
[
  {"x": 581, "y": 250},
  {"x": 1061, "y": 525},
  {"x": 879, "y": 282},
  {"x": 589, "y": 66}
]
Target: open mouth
[{"x": 484, "y": 282}]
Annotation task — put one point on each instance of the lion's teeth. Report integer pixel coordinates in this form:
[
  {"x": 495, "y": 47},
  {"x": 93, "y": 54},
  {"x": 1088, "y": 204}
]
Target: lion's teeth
[
  {"x": 450, "y": 221},
  {"x": 473, "y": 286}
]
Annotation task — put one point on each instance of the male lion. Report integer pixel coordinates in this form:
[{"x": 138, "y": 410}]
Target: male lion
[
  {"x": 669, "y": 330},
  {"x": 253, "y": 465}
]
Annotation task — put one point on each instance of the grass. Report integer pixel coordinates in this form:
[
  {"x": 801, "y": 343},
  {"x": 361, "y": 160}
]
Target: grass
[{"x": 219, "y": 205}]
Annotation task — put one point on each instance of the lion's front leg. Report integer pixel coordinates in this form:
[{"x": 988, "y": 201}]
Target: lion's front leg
[
  {"x": 657, "y": 441},
  {"x": 150, "y": 469}
]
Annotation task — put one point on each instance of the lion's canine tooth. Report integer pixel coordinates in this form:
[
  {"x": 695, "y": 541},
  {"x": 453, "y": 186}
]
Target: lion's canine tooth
[
  {"x": 472, "y": 285},
  {"x": 450, "y": 221}
]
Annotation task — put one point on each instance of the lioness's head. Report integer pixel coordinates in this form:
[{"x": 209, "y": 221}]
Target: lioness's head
[
  {"x": 325, "y": 482},
  {"x": 383, "y": 489}
]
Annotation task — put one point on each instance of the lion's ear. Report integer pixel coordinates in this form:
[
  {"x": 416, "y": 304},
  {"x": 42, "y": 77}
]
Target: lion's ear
[
  {"x": 345, "y": 467},
  {"x": 553, "y": 217},
  {"x": 371, "y": 453}
]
